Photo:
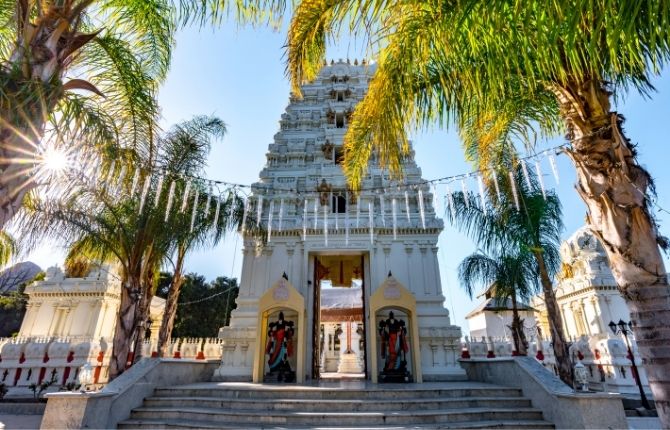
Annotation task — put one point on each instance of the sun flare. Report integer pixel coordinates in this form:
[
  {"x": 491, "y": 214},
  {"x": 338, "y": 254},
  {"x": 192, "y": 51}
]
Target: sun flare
[{"x": 55, "y": 160}]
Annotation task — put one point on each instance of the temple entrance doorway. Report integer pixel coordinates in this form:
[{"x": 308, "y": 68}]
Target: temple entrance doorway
[{"x": 339, "y": 341}]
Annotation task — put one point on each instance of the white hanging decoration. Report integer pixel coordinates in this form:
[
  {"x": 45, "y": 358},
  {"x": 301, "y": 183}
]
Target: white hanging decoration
[
  {"x": 281, "y": 214},
  {"x": 382, "y": 208},
  {"x": 208, "y": 202},
  {"x": 422, "y": 211},
  {"x": 480, "y": 184},
  {"x": 371, "y": 222},
  {"x": 122, "y": 176},
  {"x": 168, "y": 206},
  {"x": 514, "y": 192},
  {"x": 245, "y": 212},
  {"x": 304, "y": 221},
  {"x": 325, "y": 225},
  {"x": 270, "y": 210},
  {"x": 217, "y": 209},
  {"x": 495, "y": 183},
  {"x": 136, "y": 180},
  {"x": 110, "y": 175},
  {"x": 394, "y": 219},
  {"x": 259, "y": 209},
  {"x": 145, "y": 190},
  {"x": 316, "y": 213},
  {"x": 159, "y": 189},
  {"x": 194, "y": 212},
  {"x": 409, "y": 219},
  {"x": 436, "y": 200},
  {"x": 554, "y": 169},
  {"x": 450, "y": 198},
  {"x": 184, "y": 201},
  {"x": 337, "y": 221},
  {"x": 466, "y": 199},
  {"x": 540, "y": 179},
  {"x": 524, "y": 170},
  {"x": 358, "y": 209}
]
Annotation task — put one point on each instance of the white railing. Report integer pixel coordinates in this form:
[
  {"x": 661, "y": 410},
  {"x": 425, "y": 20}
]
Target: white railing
[
  {"x": 606, "y": 359},
  {"x": 26, "y": 361}
]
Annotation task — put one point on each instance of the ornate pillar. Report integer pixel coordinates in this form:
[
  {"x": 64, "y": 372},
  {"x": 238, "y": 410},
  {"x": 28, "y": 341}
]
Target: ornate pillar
[
  {"x": 408, "y": 250},
  {"x": 598, "y": 316},
  {"x": 587, "y": 324},
  {"x": 426, "y": 287}
]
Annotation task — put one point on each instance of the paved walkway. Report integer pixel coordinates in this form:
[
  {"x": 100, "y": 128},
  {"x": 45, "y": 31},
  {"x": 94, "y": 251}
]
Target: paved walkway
[{"x": 20, "y": 421}]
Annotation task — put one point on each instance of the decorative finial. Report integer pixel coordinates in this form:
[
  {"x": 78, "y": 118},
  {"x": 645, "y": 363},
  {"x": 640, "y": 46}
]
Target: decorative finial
[
  {"x": 363, "y": 62},
  {"x": 390, "y": 275},
  {"x": 355, "y": 61},
  {"x": 285, "y": 276}
]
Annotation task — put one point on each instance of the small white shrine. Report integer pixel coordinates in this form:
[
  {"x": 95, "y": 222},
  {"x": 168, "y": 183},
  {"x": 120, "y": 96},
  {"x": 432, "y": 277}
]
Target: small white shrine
[
  {"x": 586, "y": 291},
  {"x": 77, "y": 308},
  {"x": 319, "y": 235}
]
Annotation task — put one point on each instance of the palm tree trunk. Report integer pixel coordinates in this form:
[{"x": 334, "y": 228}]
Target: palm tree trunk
[
  {"x": 125, "y": 325},
  {"x": 614, "y": 187},
  {"x": 555, "y": 323},
  {"x": 517, "y": 329},
  {"x": 143, "y": 314},
  {"x": 171, "y": 306}
]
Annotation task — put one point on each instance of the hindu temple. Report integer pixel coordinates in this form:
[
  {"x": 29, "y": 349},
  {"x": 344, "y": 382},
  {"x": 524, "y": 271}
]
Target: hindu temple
[{"x": 341, "y": 284}]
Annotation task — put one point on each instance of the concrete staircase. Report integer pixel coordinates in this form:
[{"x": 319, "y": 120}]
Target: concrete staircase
[{"x": 352, "y": 405}]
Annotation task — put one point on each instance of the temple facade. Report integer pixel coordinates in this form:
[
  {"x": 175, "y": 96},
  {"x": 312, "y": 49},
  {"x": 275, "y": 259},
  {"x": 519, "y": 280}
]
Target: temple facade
[{"x": 377, "y": 247}]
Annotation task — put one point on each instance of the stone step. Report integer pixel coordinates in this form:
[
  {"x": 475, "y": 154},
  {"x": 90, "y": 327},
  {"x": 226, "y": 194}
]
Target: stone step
[
  {"x": 384, "y": 392},
  {"x": 328, "y": 418},
  {"x": 160, "y": 424},
  {"x": 338, "y": 405}
]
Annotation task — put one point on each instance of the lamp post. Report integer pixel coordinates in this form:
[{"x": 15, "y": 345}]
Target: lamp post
[{"x": 625, "y": 328}]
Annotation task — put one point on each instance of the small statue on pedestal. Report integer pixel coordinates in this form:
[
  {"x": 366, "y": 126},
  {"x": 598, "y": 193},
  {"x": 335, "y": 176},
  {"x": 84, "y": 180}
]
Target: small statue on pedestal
[
  {"x": 280, "y": 348},
  {"x": 394, "y": 348}
]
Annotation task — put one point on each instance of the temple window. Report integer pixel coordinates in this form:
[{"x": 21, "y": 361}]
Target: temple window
[
  {"x": 339, "y": 120},
  {"x": 339, "y": 204},
  {"x": 339, "y": 155}
]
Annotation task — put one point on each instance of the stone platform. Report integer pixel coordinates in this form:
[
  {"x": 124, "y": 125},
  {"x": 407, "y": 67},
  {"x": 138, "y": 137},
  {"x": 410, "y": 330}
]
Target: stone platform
[{"x": 337, "y": 405}]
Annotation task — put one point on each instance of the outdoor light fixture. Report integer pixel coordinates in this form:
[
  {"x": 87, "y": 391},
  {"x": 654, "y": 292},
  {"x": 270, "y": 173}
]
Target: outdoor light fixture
[{"x": 625, "y": 328}]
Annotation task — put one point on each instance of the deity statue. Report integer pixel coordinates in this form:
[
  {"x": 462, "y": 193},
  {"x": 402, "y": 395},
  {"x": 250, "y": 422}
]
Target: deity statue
[
  {"x": 394, "y": 348},
  {"x": 327, "y": 149},
  {"x": 280, "y": 348},
  {"x": 324, "y": 190}
]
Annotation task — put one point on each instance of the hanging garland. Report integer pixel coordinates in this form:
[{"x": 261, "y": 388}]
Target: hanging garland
[{"x": 254, "y": 201}]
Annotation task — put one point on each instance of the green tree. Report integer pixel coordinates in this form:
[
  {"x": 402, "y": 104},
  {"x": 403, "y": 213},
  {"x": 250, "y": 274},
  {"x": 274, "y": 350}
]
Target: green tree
[
  {"x": 85, "y": 72},
  {"x": 204, "y": 307},
  {"x": 509, "y": 277},
  {"x": 499, "y": 229},
  {"x": 501, "y": 70},
  {"x": 106, "y": 221}
]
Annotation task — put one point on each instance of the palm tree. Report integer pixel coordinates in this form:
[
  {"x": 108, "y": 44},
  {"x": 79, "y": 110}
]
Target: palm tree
[
  {"x": 103, "y": 222},
  {"x": 534, "y": 229},
  {"x": 114, "y": 52},
  {"x": 510, "y": 276},
  {"x": 497, "y": 70}
]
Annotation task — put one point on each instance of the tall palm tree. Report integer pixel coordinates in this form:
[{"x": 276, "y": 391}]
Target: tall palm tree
[
  {"x": 103, "y": 222},
  {"x": 499, "y": 69},
  {"x": 509, "y": 276},
  {"x": 91, "y": 68},
  {"x": 534, "y": 229}
]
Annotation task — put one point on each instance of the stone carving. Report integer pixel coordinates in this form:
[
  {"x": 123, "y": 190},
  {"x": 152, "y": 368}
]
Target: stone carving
[
  {"x": 327, "y": 149},
  {"x": 324, "y": 190}
]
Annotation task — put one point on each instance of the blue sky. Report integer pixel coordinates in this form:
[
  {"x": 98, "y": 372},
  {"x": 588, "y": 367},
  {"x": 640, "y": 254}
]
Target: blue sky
[{"x": 238, "y": 75}]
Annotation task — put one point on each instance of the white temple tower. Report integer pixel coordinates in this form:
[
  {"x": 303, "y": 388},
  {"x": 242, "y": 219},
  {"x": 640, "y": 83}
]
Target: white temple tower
[{"x": 302, "y": 189}]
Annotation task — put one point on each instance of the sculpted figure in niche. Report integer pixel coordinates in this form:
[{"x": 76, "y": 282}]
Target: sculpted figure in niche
[
  {"x": 279, "y": 348},
  {"x": 394, "y": 348},
  {"x": 324, "y": 190},
  {"x": 327, "y": 149}
]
